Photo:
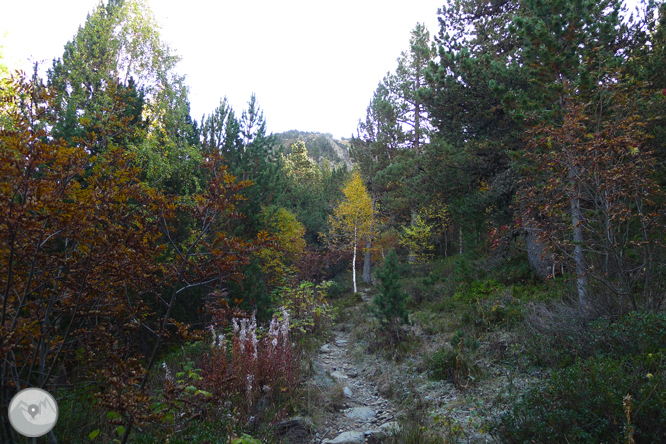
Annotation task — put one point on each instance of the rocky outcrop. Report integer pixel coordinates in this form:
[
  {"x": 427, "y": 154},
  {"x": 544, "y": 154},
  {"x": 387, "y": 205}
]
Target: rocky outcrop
[{"x": 321, "y": 147}]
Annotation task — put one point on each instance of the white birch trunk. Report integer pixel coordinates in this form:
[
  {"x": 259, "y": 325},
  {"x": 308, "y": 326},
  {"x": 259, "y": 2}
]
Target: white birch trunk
[{"x": 354, "y": 262}]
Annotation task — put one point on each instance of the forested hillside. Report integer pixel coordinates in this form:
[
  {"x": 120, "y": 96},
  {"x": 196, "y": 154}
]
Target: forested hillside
[
  {"x": 321, "y": 147},
  {"x": 492, "y": 239}
]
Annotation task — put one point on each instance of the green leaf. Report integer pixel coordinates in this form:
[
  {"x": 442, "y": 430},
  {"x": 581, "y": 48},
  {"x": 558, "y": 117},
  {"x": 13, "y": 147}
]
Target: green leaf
[
  {"x": 93, "y": 434},
  {"x": 120, "y": 430},
  {"x": 112, "y": 415}
]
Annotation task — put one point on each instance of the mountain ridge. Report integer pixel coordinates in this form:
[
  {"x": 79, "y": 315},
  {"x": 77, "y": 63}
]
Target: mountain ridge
[{"x": 321, "y": 146}]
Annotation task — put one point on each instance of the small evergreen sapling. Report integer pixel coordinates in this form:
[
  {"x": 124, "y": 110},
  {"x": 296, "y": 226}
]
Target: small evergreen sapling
[{"x": 389, "y": 303}]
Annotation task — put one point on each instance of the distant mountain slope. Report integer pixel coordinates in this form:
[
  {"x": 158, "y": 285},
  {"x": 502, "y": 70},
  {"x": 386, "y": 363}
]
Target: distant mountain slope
[{"x": 321, "y": 147}]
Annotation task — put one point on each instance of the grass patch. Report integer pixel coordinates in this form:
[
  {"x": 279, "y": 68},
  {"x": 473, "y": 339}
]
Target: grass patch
[{"x": 434, "y": 323}]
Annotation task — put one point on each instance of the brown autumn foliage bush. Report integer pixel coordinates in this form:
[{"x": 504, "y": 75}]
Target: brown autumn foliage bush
[
  {"x": 251, "y": 368},
  {"x": 87, "y": 253}
]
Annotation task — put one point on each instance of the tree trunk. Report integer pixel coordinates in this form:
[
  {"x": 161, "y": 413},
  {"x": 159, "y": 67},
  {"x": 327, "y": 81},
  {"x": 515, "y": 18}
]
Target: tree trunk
[
  {"x": 582, "y": 281},
  {"x": 412, "y": 254},
  {"x": 354, "y": 262},
  {"x": 537, "y": 256},
  {"x": 367, "y": 277},
  {"x": 417, "y": 116},
  {"x": 460, "y": 239}
]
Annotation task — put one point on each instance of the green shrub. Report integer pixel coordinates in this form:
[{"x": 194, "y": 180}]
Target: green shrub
[
  {"x": 634, "y": 333},
  {"x": 334, "y": 290},
  {"x": 470, "y": 292},
  {"x": 468, "y": 343},
  {"x": 500, "y": 312},
  {"x": 389, "y": 303},
  {"x": 441, "y": 365},
  {"x": 485, "y": 305},
  {"x": 77, "y": 415},
  {"x": 451, "y": 365},
  {"x": 426, "y": 288},
  {"x": 443, "y": 305},
  {"x": 197, "y": 432},
  {"x": 464, "y": 271},
  {"x": 311, "y": 314},
  {"x": 431, "y": 279},
  {"x": 587, "y": 402},
  {"x": 432, "y": 323},
  {"x": 560, "y": 342},
  {"x": 515, "y": 270}
]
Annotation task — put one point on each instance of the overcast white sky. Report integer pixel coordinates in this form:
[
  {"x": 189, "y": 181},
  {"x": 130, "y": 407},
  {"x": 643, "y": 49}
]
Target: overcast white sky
[{"x": 313, "y": 65}]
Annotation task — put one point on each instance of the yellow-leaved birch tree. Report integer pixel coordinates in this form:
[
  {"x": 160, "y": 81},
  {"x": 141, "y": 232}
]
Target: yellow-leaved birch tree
[{"x": 352, "y": 224}]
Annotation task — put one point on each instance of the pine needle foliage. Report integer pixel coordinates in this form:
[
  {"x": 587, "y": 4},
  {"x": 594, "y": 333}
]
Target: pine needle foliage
[{"x": 388, "y": 305}]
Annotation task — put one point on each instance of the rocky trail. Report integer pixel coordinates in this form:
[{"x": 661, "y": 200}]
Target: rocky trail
[
  {"x": 356, "y": 397},
  {"x": 363, "y": 415},
  {"x": 361, "y": 398},
  {"x": 356, "y": 412}
]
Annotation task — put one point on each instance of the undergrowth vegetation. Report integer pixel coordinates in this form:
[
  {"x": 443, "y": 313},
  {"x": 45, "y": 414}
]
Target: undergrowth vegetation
[
  {"x": 564, "y": 377},
  {"x": 600, "y": 399},
  {"x": 237, "y": 383},
  {"x": 603, "y": 381}
]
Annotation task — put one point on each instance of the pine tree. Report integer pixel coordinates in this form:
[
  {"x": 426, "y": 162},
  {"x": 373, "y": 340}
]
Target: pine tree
[
  {"x": 573, "y": 51},
  {"x": 393, "y": 136},
  {"x": 389, "y": 303},
  {"x": 249, "y": 153},
  {"x": 118, "y": 52},
  {"x": 311, "y": 191},
  {"x": 410, "y": 78}
]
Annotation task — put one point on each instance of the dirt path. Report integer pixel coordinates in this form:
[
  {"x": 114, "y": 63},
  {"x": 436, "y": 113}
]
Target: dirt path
[
  {"x": 361, "y": 413},
  {"x": 356, "y": 412},
  {"x": 356, "y": 394}
]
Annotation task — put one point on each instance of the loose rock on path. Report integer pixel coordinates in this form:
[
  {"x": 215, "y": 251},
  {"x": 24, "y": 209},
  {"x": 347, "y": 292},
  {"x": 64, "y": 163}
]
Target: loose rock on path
[{"x": 365, "y": 415}]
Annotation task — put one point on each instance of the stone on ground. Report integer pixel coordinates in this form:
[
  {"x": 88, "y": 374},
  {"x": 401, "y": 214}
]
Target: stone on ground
[
  {"x": 347, "y": 438},
  {"x": 338, "y": 375},
  {"x": 385, "y": 430},
  {"x": 351, "y": 373},
  {"x": 362, "y": 413}
]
